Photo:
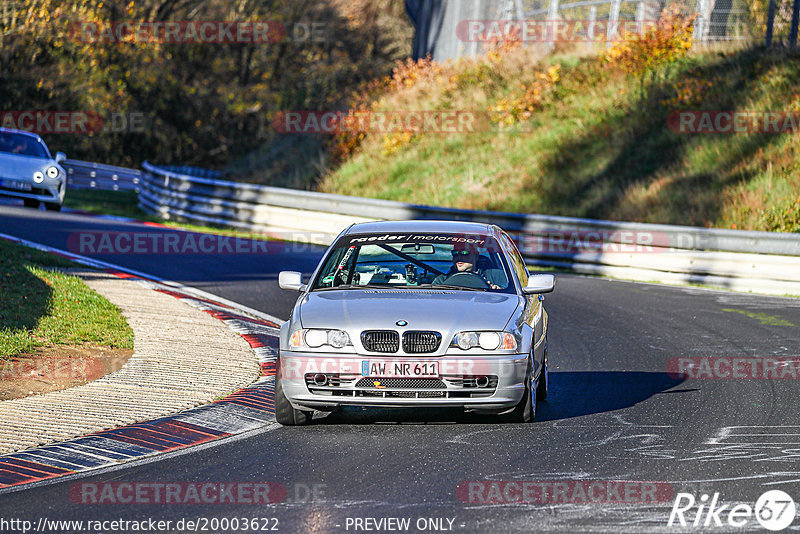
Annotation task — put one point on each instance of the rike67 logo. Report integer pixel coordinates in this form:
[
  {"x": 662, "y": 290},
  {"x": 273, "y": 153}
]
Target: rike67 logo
[{"x": 774, "y": 510}]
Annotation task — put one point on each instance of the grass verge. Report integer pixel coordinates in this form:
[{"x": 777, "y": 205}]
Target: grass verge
[
  {"x": 118, "y": 203},
  {"x": 41, "y": 306}
]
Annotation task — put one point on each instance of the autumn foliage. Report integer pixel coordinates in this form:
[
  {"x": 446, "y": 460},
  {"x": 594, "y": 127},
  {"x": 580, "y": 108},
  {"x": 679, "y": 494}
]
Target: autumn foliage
[
  {"x": 522, "y": 104},
  {"x": 669, "y": 39},
  {"x": 205, "y": 103}
]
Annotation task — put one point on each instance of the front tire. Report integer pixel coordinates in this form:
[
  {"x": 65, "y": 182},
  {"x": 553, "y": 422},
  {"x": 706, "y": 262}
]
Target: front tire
[
  {"x": 52, "y": 206},
  {"x": 525, "y": 411},
  {"x": 544, "y": 378},
  {"x": 285, "y": 413}
]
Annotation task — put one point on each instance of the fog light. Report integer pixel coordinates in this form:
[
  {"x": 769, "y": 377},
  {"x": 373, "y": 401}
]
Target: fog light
[{"x": 320, "y": 379}]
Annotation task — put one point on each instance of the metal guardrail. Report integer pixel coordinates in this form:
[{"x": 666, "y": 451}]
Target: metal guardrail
[
  {"x": 438, "y": 30},
  {"x": 716, "y": 21},
  {"x": 746, "y": 261},
  {"x": 88, "y": 175}
]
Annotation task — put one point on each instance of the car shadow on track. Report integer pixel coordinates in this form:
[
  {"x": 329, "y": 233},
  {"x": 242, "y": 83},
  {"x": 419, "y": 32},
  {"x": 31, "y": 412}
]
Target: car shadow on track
[
  {"x": 579, "y": 393},
  {"x": 572, "y": 394}
]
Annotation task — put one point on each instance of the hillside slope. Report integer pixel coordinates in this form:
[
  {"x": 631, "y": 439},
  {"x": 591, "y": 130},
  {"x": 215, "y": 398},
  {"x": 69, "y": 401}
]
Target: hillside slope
[{"x": 595, "y": 136}]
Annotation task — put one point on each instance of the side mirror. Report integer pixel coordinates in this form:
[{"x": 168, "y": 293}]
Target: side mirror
[
  {"x": 291, "y": 280},
  {"x": 60, "y": 156},
  {"x": 540, "y": 283}
]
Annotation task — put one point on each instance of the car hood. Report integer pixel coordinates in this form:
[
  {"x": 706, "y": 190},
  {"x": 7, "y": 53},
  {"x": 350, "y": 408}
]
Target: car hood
[
  {"x": 14, "y": 166},
  {"x": 448, "y": 312}
]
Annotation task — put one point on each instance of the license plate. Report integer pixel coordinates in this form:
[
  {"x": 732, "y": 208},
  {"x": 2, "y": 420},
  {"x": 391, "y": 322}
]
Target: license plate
[
  {"x": 15, "y": 184},
  {"x": 399, "y": 369}
]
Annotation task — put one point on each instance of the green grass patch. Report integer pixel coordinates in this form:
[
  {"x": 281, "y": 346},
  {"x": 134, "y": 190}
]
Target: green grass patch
[
  {"x": 119, "y": 203},
  {"x": 41, "y": 306},
  {"x": 763, "y": 318}
]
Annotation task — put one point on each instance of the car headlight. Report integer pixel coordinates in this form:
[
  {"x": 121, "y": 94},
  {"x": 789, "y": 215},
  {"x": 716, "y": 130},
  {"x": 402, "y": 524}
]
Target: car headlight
[
  {"x": 52, "y": 172},
  {"x": 489, "y": 340},
  {"x": 317, "y": 337},
  {"x": 466, "y": 340},
  {"x": 485, "y": 340},
  {"x": 338, "y": 339},
  {"x": 38, "y": 177}
]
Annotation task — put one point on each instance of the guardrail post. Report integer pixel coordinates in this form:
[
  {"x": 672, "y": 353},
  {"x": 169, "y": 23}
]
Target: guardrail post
[
  {"x": 477, "y": 13},
  {"x": 613, "y": 22},
  {"x": 701, "y": 23},
  {"x": 592, "y": 21},
  {"x": 770, "y": 23},
  {"x": 552, "y": 17},
  {"x": 640, "y": 17}
]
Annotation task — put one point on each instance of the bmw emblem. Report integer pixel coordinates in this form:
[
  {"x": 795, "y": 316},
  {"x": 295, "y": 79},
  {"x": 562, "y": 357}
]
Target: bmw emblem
[{"x": 401, "y": 323}]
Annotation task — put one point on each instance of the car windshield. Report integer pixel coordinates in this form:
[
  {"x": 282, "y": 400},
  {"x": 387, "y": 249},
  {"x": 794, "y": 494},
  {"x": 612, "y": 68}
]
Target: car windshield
[
  {"x": 447, "y": 261},
  {"x": 23, "y": 145}
]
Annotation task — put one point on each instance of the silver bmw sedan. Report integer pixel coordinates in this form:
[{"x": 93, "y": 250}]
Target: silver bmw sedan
[{"x": 415, "y": 314}]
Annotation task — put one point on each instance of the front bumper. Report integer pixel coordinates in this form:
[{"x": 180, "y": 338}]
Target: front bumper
[
  {"x": 460, "y": 382},
  {"x": 50, "y": 190}
]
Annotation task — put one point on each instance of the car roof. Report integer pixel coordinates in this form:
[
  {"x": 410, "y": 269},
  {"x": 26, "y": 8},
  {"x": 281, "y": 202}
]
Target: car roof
[
  {"x": 22, "y": 132},
  {"x": 427, "y": 226}
]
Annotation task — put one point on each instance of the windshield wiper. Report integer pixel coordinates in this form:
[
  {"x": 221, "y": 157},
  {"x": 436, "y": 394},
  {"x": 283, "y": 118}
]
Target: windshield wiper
[
  {"x": 357, "y": 286},
  {"x": 445, "y": 286}
]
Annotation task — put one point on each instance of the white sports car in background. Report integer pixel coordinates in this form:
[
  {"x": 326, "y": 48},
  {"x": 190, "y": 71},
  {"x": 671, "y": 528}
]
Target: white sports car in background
[{"x": 29, "y": 172}]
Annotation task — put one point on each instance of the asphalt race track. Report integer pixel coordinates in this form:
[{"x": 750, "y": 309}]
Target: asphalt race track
[{"x": 614, "y": 414}]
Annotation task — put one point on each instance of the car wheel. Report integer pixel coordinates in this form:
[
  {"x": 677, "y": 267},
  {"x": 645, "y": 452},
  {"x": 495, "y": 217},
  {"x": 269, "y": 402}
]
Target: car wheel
[
  {"x": 525, "y": 411},
  {"x": 52, "y": 206},
  {"x": 31, "y": 203},
  {"x": 544, "y": 378},
  {"x": 285, "y": 413}
]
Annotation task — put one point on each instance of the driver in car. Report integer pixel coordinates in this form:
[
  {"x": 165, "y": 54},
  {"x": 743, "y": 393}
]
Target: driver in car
[
  {"x": 21, "y": 147},
  {"x": 465, "y": 260}
]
